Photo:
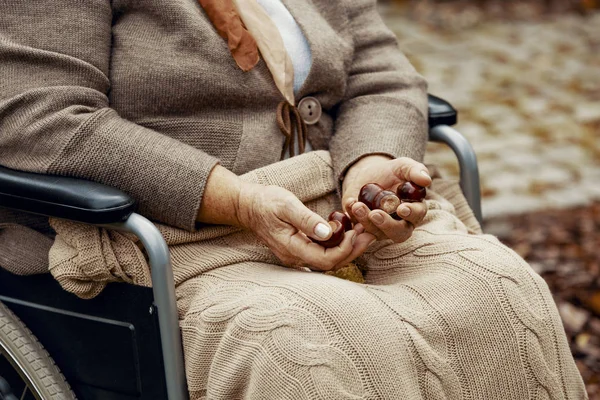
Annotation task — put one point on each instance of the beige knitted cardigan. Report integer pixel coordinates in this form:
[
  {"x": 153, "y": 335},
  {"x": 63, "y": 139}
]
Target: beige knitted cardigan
[{"x": 145, "y": 96}]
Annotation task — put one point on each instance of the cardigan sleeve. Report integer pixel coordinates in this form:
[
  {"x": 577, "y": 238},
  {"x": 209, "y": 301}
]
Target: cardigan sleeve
[
  {"x": 55, "y": 116},
  {"x": 384, "y": 110}
]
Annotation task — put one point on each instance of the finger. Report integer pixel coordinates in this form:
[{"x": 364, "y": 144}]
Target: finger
[
  {"x": 361, "y": 244},
  {"x": 317, "y": 257},
  {"x": 398, "y": 231},
  {"x": 412, "y": 212},
  {"x": 407, "y": 169},
  {"x": 306, "y": 221},
  {"x": 350, "y": 191},
  {"x": 286, "y": 253},
  {"x": 361, "y": 213},
  {"x": 358, "y": 228},
  {"x": 347, "y": 205}
]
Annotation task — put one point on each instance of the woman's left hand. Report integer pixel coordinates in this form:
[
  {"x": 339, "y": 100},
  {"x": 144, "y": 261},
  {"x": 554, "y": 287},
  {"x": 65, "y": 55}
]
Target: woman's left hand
[{"x": 388, "y": 173}]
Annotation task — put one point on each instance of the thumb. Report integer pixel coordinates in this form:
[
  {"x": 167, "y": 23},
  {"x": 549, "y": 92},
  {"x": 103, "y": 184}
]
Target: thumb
[
  {"x": 407, "y": 169},
  {"x": 306, "y": 221},
  {"x": 350, "y": 194}
]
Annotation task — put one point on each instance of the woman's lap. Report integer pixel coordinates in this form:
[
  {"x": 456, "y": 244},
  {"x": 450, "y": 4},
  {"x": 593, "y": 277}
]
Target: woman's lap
[
  {"x": 498, "y": 317},
  {"x": 302, "y": 334},
  {"x": 443, "y": 315}
]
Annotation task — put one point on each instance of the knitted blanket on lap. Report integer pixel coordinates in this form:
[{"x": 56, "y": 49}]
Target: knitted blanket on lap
[
  {"x": 84, "y": 258},
  {"x": 447, "y": 314}
]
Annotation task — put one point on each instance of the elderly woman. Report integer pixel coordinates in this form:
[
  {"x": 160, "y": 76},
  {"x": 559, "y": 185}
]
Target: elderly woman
[{"x": 199, "y": 111}]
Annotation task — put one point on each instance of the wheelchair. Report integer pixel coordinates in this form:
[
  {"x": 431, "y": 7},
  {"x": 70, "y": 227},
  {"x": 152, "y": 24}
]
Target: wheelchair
[{"x": 106, "y": 351}]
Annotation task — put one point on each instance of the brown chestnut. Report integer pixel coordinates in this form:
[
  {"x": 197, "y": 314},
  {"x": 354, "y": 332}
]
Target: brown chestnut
[
  {"x": 377, "y": 198},
  {"x": 343, "y": 218},
  {"x": 395, "y": 216},
  {"x": 336, "y": 237},
  {"x": 411, "y": 192}
]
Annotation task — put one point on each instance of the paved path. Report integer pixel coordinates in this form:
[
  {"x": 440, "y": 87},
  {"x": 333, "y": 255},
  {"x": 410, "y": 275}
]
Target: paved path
[{"x": 529, "y": 101}]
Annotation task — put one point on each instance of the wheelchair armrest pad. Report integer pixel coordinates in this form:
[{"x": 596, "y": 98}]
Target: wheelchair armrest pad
[
  {"x": 441, "y": 112},
  {"x": 63, "y": 197}
]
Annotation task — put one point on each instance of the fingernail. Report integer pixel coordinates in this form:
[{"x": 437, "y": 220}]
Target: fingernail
[
  {"x": 361, "y": 212},
  {"x": 424, "y": 173},
  {"x": 371, "y": 242},
  {"x": 322, "y": 230},
  {"x": 405, "y": 211},
  {"x": 305, "y": 269},
  {"x": 353, "y": 239},
  {"x": 377, "y": 218}
]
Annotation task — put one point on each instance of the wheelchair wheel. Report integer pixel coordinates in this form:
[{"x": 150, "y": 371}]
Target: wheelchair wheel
[{"x": 26, "y": 369}]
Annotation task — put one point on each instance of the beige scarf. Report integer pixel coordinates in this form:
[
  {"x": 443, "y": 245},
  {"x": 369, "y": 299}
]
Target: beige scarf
[
  {"x": 248, "y": 28},
  {"x": 228, "y": 24}
]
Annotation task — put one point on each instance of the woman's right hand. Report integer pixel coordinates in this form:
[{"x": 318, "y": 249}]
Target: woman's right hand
[{"x": 284, "y": 224}]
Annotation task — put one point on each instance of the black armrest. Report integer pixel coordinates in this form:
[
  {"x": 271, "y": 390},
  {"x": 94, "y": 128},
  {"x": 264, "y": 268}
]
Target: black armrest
[
  {"x": 441, "y": 112},
  {"x": 62, "y": 197}
]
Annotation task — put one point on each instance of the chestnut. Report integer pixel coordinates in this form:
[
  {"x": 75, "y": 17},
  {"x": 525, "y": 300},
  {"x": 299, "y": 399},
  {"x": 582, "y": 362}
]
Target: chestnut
[
  {"x": 395, "y": 216},
  {"x": 411, "y": 192},
  {"x": 377, "y": 198},
  {"x": 336, "y": 237},
  {"x": 343, "y": 218}
]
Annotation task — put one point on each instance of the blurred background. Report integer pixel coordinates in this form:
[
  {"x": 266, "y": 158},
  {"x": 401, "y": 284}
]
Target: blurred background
[{"x": 525, "y": 78}]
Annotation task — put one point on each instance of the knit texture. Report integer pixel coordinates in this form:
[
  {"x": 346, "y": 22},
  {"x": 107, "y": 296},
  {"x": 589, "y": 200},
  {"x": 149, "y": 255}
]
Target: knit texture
[
  {"x": 228, "y": 23},
  {"x": 444, "y": 315},
  {"x": 146, "y": 97},
  {"x": 84, "y": 258}
]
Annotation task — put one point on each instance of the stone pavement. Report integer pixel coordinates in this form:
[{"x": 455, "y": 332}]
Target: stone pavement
[{"x": 528, "y": 95}]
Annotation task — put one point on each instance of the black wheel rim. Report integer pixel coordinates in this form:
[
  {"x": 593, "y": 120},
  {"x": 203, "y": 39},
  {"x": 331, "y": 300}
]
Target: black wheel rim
[
  {"x": 5, "y": 390},
  {"x": 15, "y": 382}
]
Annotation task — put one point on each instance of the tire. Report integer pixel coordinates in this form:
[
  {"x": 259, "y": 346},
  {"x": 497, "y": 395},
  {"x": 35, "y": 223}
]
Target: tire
[{"x": 30, "y": 359}]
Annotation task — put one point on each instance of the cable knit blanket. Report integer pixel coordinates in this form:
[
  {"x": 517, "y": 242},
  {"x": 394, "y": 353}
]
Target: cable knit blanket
[{"x": 448, "y": 314}]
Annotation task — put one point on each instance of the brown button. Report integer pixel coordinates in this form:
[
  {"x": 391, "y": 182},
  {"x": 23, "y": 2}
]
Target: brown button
[{"x": 310, "y": 110}]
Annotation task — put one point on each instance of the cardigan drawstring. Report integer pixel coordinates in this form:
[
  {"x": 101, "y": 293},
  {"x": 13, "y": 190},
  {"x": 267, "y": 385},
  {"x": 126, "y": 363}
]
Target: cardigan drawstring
[{"x": 289, "y": 117}]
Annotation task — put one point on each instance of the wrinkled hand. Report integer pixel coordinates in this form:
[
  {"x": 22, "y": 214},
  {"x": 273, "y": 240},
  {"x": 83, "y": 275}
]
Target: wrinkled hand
[
  {"x": 389, "y": 173},
  {"x": 284, "y": 224}
]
